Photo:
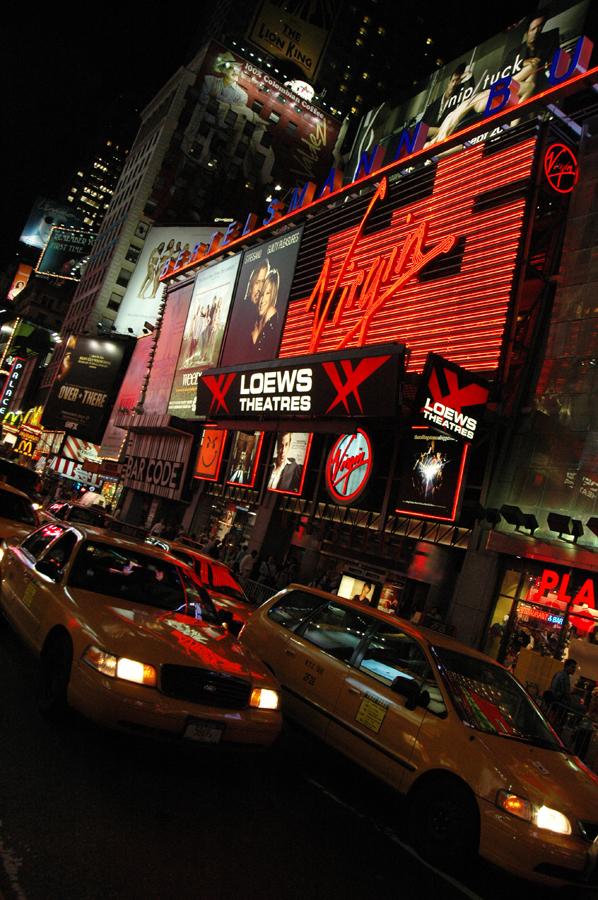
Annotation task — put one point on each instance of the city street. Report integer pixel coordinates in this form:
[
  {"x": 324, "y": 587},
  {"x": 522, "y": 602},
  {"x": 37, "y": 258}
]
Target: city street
[{"x": 90, "y": 814}]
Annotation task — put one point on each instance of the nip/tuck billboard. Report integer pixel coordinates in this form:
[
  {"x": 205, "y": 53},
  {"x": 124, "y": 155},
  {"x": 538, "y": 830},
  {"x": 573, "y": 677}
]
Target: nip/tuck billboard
[
  {"x": 85, "y": 387},
  {"x": 458, "y": 93},
  {"x": 204, "y": 330}
]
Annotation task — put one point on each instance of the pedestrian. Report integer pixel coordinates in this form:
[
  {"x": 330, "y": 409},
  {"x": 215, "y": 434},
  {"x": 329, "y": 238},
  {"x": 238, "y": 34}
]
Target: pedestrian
[
  {"x": 247, "y": 563},
  {"x": 268, "y": 571},
  {"x": 560, "y": 685},
  {"x": 158, "y": 528}
]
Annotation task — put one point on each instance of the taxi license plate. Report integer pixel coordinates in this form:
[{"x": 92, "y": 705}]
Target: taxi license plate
[{"x": 204, "y": 732}]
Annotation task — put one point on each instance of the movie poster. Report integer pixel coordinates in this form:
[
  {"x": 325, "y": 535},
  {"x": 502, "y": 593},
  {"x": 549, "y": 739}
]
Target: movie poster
[
  {"x": 45, "y": 214},
  {"x": 209, "y": 454},
  {"x": 260, "y": 303},
  {"x": 244, "y": 458},
  {"x": 431, "y": 469},
  {"x": 20, "y": 280},
  {"x": 204, "y": 330},
  {"x": 289, "y": 462},
  {"x": 65, "y": 253},
  {"x": 86, "y": 386}
]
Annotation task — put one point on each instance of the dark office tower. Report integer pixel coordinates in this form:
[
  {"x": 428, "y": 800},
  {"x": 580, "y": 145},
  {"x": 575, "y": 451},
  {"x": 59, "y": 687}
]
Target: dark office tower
[{"x": 92, "y": 186}]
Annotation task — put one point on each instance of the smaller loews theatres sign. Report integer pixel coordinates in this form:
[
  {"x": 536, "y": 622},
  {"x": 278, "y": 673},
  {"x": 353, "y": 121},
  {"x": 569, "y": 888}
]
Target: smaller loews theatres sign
[
  {"x": 450, "y": 399},
  {"x": 361, "y": 382}
]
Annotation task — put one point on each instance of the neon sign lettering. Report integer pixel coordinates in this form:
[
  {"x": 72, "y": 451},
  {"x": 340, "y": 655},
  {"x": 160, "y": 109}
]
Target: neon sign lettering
[
  {"x": 561, "y": 168},
  {"x": 552, "y": 581},
  {"x": 368, "y": 289}
]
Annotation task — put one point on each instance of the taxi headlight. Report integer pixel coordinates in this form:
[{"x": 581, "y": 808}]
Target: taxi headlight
[
  {"x": 542, "y": 816},
  {"x": 261, "y": 698},
  {"x": 552, "y": 820},
  {"x": 120, "y": 667}
]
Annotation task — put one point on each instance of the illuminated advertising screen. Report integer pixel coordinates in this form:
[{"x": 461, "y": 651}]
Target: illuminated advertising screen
[
  {"x": 289, "y": 463},
  {"x": 260, "y": 303},
  {"x": 144, "y": 292},
  {"x": 357, "y": 589},
  {"x": 203, "y": 333},
  {"x": 128, "y": 397},
  {"x": 64, "y": 254},
  {"x": 260, "y": 127},
  {"x": 457, "y": 94},
  {"x": 168, "y": 348},
  {"x": 22, "y": 276},
  {"x": 244, "y": 458},
  {"x": 431, "y": 470},
  {"x": 209, "y": 455},
  {"x": 44, "y": 215},
  {"x": 85, "y": 387},
  {"x": 289, "y": 37},
  {"x": 429, "y": 260}
]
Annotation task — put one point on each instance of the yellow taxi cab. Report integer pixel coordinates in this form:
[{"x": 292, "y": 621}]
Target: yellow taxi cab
[
  {"x": 225, "y": 590},
  {"x": 128, "y": 636},
  {"x": 77, "y": 513},
  {"x": 18, "y": 515},
  {"x": 482, "y": 769}
]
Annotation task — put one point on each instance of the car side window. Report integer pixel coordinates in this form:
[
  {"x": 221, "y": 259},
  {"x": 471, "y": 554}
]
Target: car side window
[
  {"x": 336, "y": 629},
  {"x": 294, "y": 607},
  {"x": 61, "y": 550},
  {"x": 86, "y": 516},
  {"x": 391, "y": 652},
  {"x": 40, "y": 540}
]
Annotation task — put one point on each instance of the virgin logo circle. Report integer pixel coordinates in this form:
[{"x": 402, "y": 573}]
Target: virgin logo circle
[
  {"x": 561, "y": 168},
  {"x": 349, "y": 466}
]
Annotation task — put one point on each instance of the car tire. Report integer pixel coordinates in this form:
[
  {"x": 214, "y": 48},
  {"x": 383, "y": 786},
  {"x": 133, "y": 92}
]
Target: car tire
[
  {"x": 444, "y": 823},
  {"x": 54, "y": 673}
]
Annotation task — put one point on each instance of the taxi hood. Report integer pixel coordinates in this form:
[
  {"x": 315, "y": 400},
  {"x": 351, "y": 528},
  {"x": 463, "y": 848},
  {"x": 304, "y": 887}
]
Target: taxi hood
[
  {"x": 159, "y": 637},
  {"x": 545, "y": 777}
]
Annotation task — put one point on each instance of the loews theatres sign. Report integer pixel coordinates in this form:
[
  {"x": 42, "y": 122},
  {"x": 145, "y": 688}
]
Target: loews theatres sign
[
  {"x": 450, "y": 399},
  {"x": 355, "y": 383}
]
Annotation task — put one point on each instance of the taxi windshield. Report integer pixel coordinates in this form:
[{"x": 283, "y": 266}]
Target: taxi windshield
[
  {"x": 15, "y": 507},
  {"x": 139, "y": 577},
  {"x": 489, "y": 699}
]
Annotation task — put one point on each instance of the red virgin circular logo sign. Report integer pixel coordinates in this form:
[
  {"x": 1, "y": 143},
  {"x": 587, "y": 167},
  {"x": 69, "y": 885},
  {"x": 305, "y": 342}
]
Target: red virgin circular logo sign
[
  {"x": 561, "y": 168},
  {"x": 349, "y": 466}
]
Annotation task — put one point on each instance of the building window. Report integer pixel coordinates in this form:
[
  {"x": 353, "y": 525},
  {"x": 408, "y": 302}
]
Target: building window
[
  {"x": 114, "y": 304},
  {"x": 257, "y": 106},
  {"x": 124, "y": 276},
  {"x": 133, "y": 254},
  {"x": 274, "y": 118}
]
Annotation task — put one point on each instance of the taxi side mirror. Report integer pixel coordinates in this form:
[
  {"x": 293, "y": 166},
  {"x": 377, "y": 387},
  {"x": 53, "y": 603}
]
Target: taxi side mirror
[{"x": 411, "y": 691}]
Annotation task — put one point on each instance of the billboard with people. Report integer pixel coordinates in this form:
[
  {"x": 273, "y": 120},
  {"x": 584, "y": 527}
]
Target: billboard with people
[
  {"x": 204, "y": 330},
  {"x": 289, "y": 462},
  {"x": 457, "y": 94},
  {"x": 260, "y": 301},
  {"x": 143, "y": 295}
]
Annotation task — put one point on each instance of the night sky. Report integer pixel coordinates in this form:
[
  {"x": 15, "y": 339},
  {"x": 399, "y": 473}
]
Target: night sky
[{"x": 66, "y": 75}]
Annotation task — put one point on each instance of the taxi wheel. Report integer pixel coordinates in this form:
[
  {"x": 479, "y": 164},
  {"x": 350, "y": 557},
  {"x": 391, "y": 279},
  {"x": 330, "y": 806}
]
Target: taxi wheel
[
  {"x": 444, "y": 823},
  {"x": 54, "y": 673}
]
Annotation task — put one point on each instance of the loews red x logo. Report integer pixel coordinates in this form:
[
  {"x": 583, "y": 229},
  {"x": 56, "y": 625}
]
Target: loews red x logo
[
  {"x": 219, "y": 385},
  {"x": 352, "y": 379},
  {"x": 457, "y": 397}
]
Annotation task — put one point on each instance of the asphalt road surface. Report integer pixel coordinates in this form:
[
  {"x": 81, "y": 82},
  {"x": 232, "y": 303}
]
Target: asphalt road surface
[{"x": 88, "y": 814}]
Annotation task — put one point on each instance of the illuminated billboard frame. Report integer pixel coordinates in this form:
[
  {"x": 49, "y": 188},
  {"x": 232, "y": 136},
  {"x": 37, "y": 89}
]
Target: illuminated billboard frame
[
  {"x": 254, "y": 460},
  {"x": 414, "y": 461},
  {"x": 303, "y": 464},
  {"x": 213, "y": 439}
]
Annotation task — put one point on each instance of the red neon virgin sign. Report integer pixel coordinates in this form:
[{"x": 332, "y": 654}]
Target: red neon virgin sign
[
  {"x": 368, "y": 288},
  {"x": 376, "y": 284},
  {"x": 561, "y": 168}
]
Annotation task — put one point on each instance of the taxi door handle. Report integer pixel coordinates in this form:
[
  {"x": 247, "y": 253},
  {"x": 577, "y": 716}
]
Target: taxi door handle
[
  {"x": 289, "y": 652},
  {"x": 354, "y": 691}
]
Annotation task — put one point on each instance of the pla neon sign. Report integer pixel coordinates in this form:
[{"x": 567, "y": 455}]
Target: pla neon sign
[{"x": 502, "y": 97}]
